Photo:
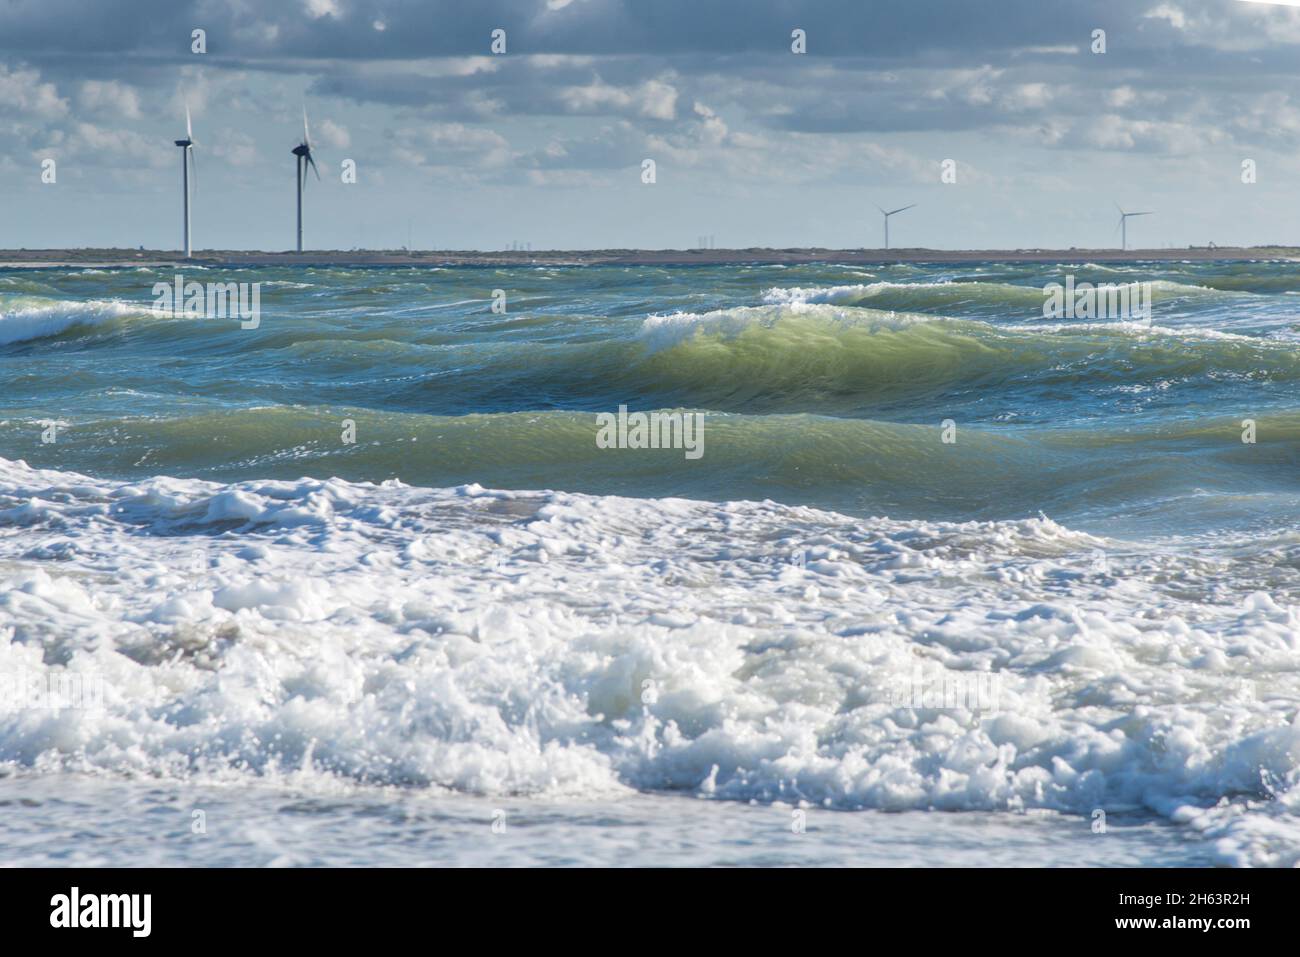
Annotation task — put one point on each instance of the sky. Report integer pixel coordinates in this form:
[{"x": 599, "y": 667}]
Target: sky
[{"x": 456, "y": 146}]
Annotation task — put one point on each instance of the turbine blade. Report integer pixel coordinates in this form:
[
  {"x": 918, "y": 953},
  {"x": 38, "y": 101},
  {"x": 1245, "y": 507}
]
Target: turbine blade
[
  {"x": 306, "y": 136},
  {"x": 313, "y": 168},
  {"x": 194, "y": 168},
  {"x": 903, "y": 209},
  {"x": 881, "y": 208},
  {"x": 1121, "y": 209},
  {"x": 189, "y": 129}
]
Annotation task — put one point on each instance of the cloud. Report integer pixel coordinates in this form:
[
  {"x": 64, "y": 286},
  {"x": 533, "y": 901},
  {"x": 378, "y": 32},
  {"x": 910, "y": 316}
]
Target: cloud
[
  {"x": 949, "y": 31},
  {"x": 1170, "y": 13},
  {"x": 613, "y": 146},
  {"x": 23, "y": 92},
  {"x": 88, "y": 146},
  {"x": 111, "y": 96},
  {"x": 322, "y": 8},
  {"x": 433, "y": 145},
  {"x": 711, "y": 91},
  {"x": 655, "y": 99},
  {"x": 333, "y": 135}
]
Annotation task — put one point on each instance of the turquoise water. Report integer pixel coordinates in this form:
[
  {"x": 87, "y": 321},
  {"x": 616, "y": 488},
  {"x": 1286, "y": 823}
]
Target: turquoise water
[
  {"x": 373, "y": 553},
  {"x": 824, "y": 385}
]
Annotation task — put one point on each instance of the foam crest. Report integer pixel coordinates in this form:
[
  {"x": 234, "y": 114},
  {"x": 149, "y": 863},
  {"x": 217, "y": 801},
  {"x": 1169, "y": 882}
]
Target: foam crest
[
  {"x": 24, "y": 318},
  {"x": 546, "y": 643}
]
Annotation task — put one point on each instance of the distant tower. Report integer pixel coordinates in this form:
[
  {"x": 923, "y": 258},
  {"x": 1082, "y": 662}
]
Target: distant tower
[
  {"x": 891, "y": 213},
  {"x": 187, "y": 163},
  {"x": 303, "y": 153},
  {"x": 1123, "y": 224}
]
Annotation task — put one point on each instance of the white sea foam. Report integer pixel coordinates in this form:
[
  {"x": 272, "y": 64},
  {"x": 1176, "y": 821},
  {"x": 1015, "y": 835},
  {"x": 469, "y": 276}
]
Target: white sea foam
[
  {"x": 1000, "y": 293},
  {"x": 843, "y": 295},
  {"x": 660, "y": 332},
  {"x": 1141, "y": 328},
  {"x": 545, "y": 643},
  {"x": 665, "y": 331},
  {"x": 23, "y": 318}
]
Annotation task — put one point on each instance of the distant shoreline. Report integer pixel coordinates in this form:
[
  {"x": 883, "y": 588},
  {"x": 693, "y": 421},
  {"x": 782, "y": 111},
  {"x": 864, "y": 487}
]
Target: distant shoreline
[{"x": 118, "y": 258}]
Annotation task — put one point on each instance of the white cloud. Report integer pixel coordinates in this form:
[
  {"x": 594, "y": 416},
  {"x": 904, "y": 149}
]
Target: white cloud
[
  {"x": 333, "y": 135},
  {"x": 1121, "y": 96},
  {"x": 24, "y": 93},
  {"x": 322, "y": 8},
  {"x": 654, "y": 99},
  {"x": 658, "y": 100},
  {"x": 1114, "y": 132},
  {"x": 713, "y": 128},
  {"x": 109, "y": 95},
  {"x": 93, "y": 145},
  {"x": 442, "y": 144},
  {"x": 1026, "y": 96},
  {"x": 1168, "y": 12}
]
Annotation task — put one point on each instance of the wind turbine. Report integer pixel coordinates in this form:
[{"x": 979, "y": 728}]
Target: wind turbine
[
  {"x": 303, "y": 153},
  {"x": 187, "y": 162},
  {"x": 887, "y": 215},
  {"x": 1123, "y": 223}
]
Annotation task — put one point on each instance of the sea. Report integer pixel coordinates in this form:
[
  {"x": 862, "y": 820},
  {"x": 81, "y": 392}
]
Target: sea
[{"x": 650, "y": 565}]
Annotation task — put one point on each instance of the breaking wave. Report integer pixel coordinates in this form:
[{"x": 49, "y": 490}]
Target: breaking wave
[
  {"x": 24, "y": 317},
  {"x": 549, "y": 643}
]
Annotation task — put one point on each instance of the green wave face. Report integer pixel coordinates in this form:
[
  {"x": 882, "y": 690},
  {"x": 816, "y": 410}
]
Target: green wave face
[
  {"x": 850, "y": 465},
  {"x": 834, "y": 359},
  {"x": 820, "y": 385}
]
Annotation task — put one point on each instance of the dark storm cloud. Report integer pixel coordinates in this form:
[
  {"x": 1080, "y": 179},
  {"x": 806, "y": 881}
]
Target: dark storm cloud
[
  {"x": 871, "y": 66},
  {"x": 1175, "y": 71},
  {"x": 960, "y": 30}
]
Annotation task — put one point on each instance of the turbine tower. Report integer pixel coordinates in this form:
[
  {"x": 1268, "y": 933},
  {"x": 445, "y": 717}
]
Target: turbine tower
[
  {"x": 187, "y": 162},
  {"x": 1123, "y": 224},
  {"x": 302, "y": 154},
  {"x": 887, "y": 215}
]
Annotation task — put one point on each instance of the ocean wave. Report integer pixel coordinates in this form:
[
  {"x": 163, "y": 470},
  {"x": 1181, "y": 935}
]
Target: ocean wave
[
  {"x": 1137, "y": 471},
  {"x": 549, "y": 643},
  {"x": 818, "y": 351},
  {"x": 911, "y": 295},
  {"x": 24, "y": 317},
  {"x": 1004, "y": 298}
]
